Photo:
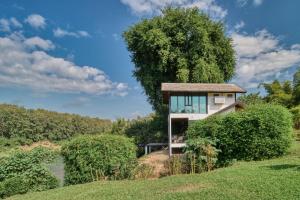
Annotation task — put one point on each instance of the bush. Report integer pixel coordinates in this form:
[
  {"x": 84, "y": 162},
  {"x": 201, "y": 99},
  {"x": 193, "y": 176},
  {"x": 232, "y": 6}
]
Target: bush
[
  {"x": 91, "y": 158},
  {"x": 201, "y": 155},
  {"x": 259, "y": 132},
  {"x": 24, "y": 171},
  {"x": 296, "y": 116},
  {"x": 143, "y": 171}
]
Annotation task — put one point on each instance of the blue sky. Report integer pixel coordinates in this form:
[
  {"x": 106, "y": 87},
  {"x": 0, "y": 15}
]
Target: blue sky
[{"x": 69, "y": 56}]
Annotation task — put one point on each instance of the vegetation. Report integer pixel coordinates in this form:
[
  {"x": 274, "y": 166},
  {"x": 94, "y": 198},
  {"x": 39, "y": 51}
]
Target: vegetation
[
  {"x": 286, "y": 93},
  {"x": 277, "y": 179},
  {"x": 259, "y": 132},
  {"x": 296, "y": 116},
  {"x": 280, "y": 93},
  {"x": 24, "y": 172},
  {"x": 26, "y": 125},
  {"x": 92, "y": 158},
  {"x": 181, "y": 45},
  {"x": 251, "y": 99}
]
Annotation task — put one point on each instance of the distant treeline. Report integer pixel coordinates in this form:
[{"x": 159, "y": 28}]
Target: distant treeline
[{"x": 33, "y": 125}]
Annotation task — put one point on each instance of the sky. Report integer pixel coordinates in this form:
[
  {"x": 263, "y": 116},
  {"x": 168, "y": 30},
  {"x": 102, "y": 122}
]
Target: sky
[{"x": 69, "y": 55}]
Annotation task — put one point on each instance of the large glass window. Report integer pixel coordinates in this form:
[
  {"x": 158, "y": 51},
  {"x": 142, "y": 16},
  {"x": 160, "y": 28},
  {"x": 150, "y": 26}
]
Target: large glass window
[
  {"x": 203, "y": 104},
  {"x": 181, "y": 106},
  {"x": 173, "y": 104},
  {"x": 196, "y": 105},
  {"x": 188, "y": 104}
]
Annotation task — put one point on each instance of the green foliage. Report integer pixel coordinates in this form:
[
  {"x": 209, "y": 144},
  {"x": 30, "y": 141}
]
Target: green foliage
[
  {"x": 25, "y": 171},
  {"x": 148, "y": 129},
  {"x": 260, "y": 132},
  {"x": 181, "y": 45},
  {"x": 276, "y": 179},
  {"x": 25, "y": 125},
  {"x": 296, "y": 116},
  {"x": 296, "y": 89},
  {"x": 201, "y": 154},
  {"x": 251, "y": 99},
  {"x": 279, "y": 93},
  {"x": 91, "y": 158}
]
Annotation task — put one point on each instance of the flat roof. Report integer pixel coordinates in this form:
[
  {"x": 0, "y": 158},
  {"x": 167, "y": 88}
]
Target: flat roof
[{"x": 201, "y": 87}]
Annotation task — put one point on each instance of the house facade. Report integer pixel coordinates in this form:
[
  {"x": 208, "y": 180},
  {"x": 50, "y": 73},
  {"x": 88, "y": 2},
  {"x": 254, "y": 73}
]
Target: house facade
[{"x": 188, "y": 102}]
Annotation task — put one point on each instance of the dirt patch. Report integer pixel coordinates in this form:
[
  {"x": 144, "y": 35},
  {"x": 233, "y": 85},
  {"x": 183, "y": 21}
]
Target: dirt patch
[
  {"x": 187, "y": 188},
  {"x": 157, "y": 161},
  {"x": 45, "y": 144}
]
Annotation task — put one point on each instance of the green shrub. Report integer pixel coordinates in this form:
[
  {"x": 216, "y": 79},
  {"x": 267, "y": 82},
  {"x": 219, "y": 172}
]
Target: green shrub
[
  {"x": 201, "y": 154},
  {"x": 25, "y": 171},
  {"x": 259, "y": 132},
  {"x": 14, "y": 185},
  {"x": 90, "y": 158},
  {"x": 296, "y": 116}
]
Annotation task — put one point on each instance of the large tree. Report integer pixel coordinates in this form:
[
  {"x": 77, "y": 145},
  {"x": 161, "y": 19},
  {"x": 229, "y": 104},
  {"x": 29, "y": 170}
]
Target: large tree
[{"x": 181, "y": 45}]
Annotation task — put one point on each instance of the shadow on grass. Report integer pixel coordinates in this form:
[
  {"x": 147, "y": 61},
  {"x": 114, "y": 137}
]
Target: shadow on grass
[{"x": 283, "y": 167}]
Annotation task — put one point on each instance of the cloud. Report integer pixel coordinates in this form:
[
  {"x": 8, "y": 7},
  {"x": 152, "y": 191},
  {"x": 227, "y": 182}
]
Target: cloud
[
  {"x": 260, "y": 57},
  {"x": 242, "y": 3},
  {"x": 36, "y": 21},
  {"x": 62, "y": 33},
  {"x": 24, "y": 63},
  {"x": 7, "y": 24},
  {"x": 239, "y": 26},
  {"x": 150, "y": 7},
  {"x": 34, "y": 42}
]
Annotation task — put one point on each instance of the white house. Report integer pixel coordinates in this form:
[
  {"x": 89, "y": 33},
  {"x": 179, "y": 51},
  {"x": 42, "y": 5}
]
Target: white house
[{"x": 195, "y": 101}]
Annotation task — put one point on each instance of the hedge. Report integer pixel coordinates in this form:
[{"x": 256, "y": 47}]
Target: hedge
[
  {"x": 92, "y": 158},
  {"x": 27, "y": 125},
  {"x": 259, "y": 132},
  {"x": 25, "y": 171}
]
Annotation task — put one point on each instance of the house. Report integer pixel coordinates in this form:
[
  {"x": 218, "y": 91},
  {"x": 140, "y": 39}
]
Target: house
[{"x": 195, "y": 101}]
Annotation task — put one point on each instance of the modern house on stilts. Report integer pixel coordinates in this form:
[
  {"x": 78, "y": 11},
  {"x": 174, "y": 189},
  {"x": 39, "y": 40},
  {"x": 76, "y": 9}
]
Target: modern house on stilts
[{"x": 195, "y": 101}]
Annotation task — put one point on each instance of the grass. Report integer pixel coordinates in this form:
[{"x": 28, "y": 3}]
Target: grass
[{"x": 271, "y": 179}]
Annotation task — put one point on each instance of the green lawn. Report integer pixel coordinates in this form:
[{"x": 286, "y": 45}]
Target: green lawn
[{"x": 271, "y": 179}]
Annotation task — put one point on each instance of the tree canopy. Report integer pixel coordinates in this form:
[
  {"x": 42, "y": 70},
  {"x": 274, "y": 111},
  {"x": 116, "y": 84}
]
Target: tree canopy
[{"x": 181, "y": 45}]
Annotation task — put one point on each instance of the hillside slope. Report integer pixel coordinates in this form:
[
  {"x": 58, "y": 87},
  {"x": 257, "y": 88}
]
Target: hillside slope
[{"x": 272, "y": 179}]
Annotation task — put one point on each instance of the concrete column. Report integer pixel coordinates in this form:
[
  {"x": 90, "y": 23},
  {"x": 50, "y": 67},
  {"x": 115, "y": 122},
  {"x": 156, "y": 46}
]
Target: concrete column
[
  {"x": 170, "y": 134},
  {"x": 146, "y": 149}
]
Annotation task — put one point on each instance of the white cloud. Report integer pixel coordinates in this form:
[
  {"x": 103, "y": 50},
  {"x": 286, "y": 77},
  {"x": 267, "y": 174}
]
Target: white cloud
[
  {"x": 243, "y": 3},
  {"x": 261, "y": 57},
  {"x": 7, "y": 24},
  {"x": 29, "y": 67},
  {"x": 150, "y": 7},
  {"x": 15, "y": 23},
  {"x": 36, "y": 21},
  {"x": 62, "y": 33},
  {"x": 239, "y": 26},
  {"x": 34, "y": 42}
]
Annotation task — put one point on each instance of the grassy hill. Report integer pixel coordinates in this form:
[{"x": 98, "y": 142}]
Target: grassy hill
[{"x": 271, "y": 179}]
